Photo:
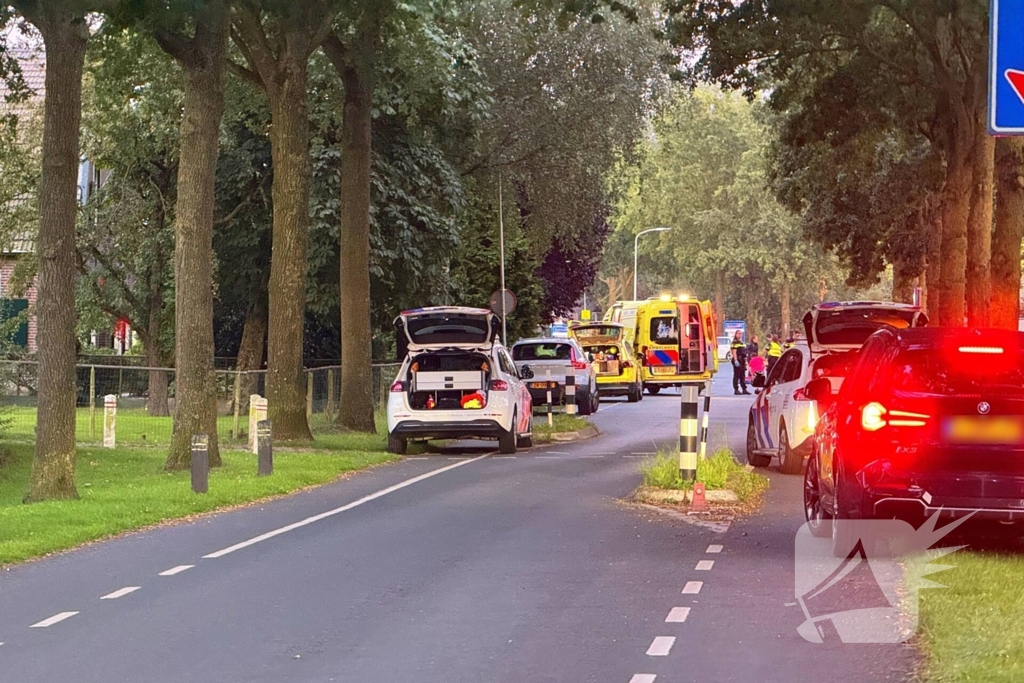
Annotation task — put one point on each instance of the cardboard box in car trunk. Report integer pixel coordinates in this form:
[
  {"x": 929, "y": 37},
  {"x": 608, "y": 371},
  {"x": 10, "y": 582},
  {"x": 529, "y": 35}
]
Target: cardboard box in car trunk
[{"x": 608, "y": 367}]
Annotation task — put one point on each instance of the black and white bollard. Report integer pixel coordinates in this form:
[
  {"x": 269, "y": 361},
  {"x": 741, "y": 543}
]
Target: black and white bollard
[
  {"x": 264, "y": 448},
  {"x": 551, "y": 418},
  {"x": 570, "y": 395},
  {"x": 200, "y": 463},
  {"x": 705, "y": 418},
  {"x": 688, "y": 432}
]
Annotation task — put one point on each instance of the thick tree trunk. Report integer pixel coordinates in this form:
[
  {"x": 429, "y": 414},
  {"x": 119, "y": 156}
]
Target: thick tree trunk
[
  {"x": 356, "y": 408},
  {"x": 955, "y": 213},
  {"x": 289, "y": 147},
  {"x": 250, "y": 351},
  {"x": 65, "y": 35},
  {"x": 1006, "y": 241},
  {"x": 156, "y": 405},
  {"x": 195, "y": 409},
  {"x": 784, "y": 296},
  {"x": 979, "y": 231},
  {"x": 933, "y": 261}
]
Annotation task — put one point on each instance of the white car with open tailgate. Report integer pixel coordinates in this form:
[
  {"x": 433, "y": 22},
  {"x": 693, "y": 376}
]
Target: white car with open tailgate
[{"x": 457, "y": 381}]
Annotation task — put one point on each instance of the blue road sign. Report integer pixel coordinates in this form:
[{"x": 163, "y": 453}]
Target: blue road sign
[{"x": 1006, "y": 68}]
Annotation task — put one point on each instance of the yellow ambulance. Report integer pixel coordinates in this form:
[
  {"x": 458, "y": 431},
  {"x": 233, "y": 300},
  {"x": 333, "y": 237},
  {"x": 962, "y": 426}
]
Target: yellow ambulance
[{"x": 674, "y": 337}]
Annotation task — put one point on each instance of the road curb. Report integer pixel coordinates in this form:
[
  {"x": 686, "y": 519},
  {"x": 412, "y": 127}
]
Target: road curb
[{"x": 566, "y": 437}]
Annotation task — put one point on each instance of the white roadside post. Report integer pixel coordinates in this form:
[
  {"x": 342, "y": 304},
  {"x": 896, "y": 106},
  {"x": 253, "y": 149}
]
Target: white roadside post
[
  {"x": 551, "y": 418},
  {"x": 110, "y": 421},
  {"x": 688, "y": 432},
  {"x": 705, "y": 418},
  {"x": 570, "y": 394},
  {"x": 257, "y": 413}
]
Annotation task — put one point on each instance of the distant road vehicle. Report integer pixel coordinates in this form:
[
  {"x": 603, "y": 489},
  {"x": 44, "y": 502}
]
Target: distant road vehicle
[
  {"x": 929, "y": 420},
  {"x": 617, "y": 368},
  {"x": 456, "y": 381},
  {"x": 724, "y": 348},
  {"x": 782, "y": 418},
  {"x": 731, "y": 327},
  {"x": 550, "y": 361}
]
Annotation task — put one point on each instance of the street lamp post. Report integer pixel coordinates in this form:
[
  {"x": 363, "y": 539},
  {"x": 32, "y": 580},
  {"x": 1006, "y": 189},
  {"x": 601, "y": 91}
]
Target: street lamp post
[{"x": 636, "y": 243}]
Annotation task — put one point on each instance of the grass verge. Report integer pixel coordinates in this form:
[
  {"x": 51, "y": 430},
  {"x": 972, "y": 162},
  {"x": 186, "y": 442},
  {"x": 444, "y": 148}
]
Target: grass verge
[
  {"x": 973, "y": 630},
  {"x": 124, "y": 489},
  {"x": 561, "y": 424},
  {"x": 717, "y": 472}
]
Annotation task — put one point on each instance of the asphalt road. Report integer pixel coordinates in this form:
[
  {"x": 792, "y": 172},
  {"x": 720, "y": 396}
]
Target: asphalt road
[{"x": 478, "y": 569}]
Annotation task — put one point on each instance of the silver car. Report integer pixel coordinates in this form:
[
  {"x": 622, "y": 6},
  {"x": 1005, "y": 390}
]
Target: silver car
[{"x": 551, "y": 360}]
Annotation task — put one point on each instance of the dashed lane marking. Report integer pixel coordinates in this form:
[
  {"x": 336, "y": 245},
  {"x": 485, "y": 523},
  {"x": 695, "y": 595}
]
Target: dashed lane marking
[
  {"x": 343, "y": 508},
  {"x": 418, "y": 458},
  {"x": 642, "y": 678},
  {"x": 714, "y": 548},
  {"x": 692, "y": 587},
  {"x": 705, "y": 565},
  {"x": 176, "y": 570},
  {"x": 56, "y": 618},
  {"x": 677, "y": 615},
  {"x": 504, "y": 457},
  {"x": 120, "y": 593},
  {"x": 556, "y": 452},
  {"x": 661, "y": 646}
]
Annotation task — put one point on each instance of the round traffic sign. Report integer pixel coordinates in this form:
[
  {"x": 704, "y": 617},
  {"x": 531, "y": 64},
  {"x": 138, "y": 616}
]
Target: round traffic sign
[{"x": 511, "y": 302}]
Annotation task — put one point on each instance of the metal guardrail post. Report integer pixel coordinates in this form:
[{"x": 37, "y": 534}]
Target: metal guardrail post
[
  {"x": 238, "y": 399},
  {"x": 200, "y": 463},
  {"x": 265, "y": 449}
]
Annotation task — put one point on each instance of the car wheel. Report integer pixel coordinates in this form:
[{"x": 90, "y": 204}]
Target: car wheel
[
  {"x": 584, "y": 404},
  {"x": 845, "y": 532},
  {"x": 507, "y": 441},
  {"x": 397, "y": 444},
  {"x": 754, "y": 458},
  {"x": 653, "y": 391},
  {"x": 789, "y": 462},
  {"x": 595, "y": 400},
  {"x": 819, "y": 522},
  {"x": 634, "y": 395}
]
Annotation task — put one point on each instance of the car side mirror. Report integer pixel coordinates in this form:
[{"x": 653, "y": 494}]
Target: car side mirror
[
  {"x": 819, "y": 389},
  {"x": 759, "y": 381},
  {"x": 526, "y": 372}
]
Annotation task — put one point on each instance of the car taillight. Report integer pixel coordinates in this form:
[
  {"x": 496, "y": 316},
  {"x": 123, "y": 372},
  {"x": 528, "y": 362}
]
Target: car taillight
[
  {"x": 577, "y": 364},
  {"x": 985, "y": 350},
  {"x": 499, "y": 385},
  {"x": 398, "y": 387},
  {"x": 874, "y": 416}
]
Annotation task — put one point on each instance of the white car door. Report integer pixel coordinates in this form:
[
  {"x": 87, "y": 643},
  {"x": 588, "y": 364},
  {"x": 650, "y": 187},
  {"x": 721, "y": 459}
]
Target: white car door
[
  {"x": 784, "y": 373},
  {"x": 515, "y": 387},
  {"x": 790, "y": 410}
]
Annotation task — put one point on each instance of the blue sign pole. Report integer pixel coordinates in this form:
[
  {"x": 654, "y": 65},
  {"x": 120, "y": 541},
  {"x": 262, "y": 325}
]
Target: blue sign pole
[{"x": 1006, "y": 68}]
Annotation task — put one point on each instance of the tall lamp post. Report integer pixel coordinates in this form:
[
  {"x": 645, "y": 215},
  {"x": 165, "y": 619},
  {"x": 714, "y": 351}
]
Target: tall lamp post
[{"x": 636, "y": 243}]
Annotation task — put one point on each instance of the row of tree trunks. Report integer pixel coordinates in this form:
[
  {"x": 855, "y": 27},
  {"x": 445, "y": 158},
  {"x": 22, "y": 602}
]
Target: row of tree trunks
[
  {"x": 784, "y": 296},
  {"x": 203, "y": 59},
  {"x": 65, "y": 35},
  {"x": 250, "y": 351},
  {"x": 1009, "y": 230},
  {"x": 979, "y": 229}
]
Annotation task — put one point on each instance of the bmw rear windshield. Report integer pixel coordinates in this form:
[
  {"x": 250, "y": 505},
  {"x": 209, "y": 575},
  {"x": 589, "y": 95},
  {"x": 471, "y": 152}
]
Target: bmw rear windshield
[{"x": 853, "y": 326}]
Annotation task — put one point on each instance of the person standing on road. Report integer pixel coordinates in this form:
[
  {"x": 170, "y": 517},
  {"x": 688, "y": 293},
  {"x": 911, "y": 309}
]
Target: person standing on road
[
  {"x": 773, "y": 352},
  {"x": 738, "y": 354},
  {"x": 753, "y": 349}
]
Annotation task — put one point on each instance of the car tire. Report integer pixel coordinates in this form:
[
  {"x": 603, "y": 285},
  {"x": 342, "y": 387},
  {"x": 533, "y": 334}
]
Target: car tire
[
  {"x": 633, "y": 395},
  {"x": 584, "y": 404},
  {"x": 819, "y": 522},
  {"x": 754, "y": 458},
  {"x": 595, "y": 401},
  {"x": 507, "y": 440},
  {"x": 653, "y": 390},
  {"x": 397, "y": 444},
  {"x": 845, "y": 533},
  {"x": 789, "y": 462},
  {"x": 527, "y": 441}
]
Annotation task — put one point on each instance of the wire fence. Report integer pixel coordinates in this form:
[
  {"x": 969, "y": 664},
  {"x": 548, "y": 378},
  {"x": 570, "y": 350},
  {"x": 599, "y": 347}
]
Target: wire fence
[{"x": 145, "y": 401}]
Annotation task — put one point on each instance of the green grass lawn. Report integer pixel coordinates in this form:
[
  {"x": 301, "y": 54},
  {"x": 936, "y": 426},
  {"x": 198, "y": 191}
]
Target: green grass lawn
[
  {"x": 561, "y": 423},
  {"x": 720, "y": 470},
  {"x": 974, "y": 629},
  {"x": 126, "y": 488}
]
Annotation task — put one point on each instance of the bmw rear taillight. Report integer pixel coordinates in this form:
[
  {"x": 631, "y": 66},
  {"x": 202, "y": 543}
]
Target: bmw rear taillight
[
  {"x": 398, "y": 387},
  {"x": 875, "y": 416},
  {"x": 499, "y": 385}
]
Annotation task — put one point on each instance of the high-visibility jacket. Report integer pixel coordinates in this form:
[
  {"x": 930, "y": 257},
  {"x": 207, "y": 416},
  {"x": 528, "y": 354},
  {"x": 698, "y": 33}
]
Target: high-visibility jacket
[
  {"x": 741, "y": 353},
  {"x": 774, "y": 350}
]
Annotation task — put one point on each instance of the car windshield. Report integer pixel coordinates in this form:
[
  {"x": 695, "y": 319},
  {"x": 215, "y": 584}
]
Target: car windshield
[
  {"x": 450, "y": 328},
  {"x": 595, "y": 331},
  {"x": 853, "y": 327},
  {"x": 665, "y": 330},
  {"x": 927, "y": 371},
  {"x": 542, "y": 351}
]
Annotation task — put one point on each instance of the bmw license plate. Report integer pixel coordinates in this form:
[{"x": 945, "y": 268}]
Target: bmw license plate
[{"x": 984, "y": 430}]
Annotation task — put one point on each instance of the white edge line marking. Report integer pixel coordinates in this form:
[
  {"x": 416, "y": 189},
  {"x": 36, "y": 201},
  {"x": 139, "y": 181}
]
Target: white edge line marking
[
  {"x": 120, "y": 593},
  {"x": 176, "y": 570},
  {"x": 661, "y": 646},
  {"x": 692, "y": 587},
  {"x": 54, "y": 619},
  {"x": 343, "y": 508},
  {"x": 643, "y": 678},
  {"x": 705, "y": 565},
  {"x": 677, "y": 615},
  {"x": 714, "y": 548},
  {"x": 556, "y": 452}
]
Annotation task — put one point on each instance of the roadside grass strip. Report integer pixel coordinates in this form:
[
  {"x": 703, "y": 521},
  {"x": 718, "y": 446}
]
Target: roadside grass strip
[
  {"x": 124, "y": 489},
  {"x": 562, "y": 424},
  {"x": 719, "y": 471},
  {"x": 973, "y": 630}
]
